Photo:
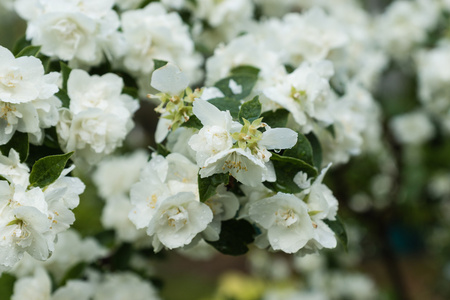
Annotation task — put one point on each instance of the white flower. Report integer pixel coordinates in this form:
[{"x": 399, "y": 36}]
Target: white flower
[
  {"x": 76, "y": 31},
  {"x": 412, "y": 128},
  {"x": 286, "y": 219},
  {"x": 24, "y": 224},
  {"x": 224, "y": 206},
  {"x": 37, "y": 286},
  {"x": 31, "y": 218},
  {"x": 215, "y": 136},
  {"x": 99, "y": 117},
  {"x": 226, "y": 146},
  {"x": 305, "y": 93},
  {"x": 404, "y": 25},
  {"x": 12, "y": 170},
  {"x": 118, "y": 286},
  {"x": 177, "y": 220},
  {"x": 27, "y": 103},
  {"x": 152, "y": 33},
  {"x": 166, "y": 202},
  {"x": 112, "y": 183}
]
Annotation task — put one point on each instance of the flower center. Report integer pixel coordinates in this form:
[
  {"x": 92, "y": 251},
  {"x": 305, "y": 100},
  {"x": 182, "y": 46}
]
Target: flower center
[
  {"x": 286, "y": 217},
  {"x": 12, "y": 78},
  {"x": 177, "y": 217}
]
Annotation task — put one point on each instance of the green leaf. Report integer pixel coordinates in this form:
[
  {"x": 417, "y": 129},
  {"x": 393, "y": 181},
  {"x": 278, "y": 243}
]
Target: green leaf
[
  {"x": 246, "y": 70},
  {"x": 339, "y": 230},
  {"x": 29, "y": 51},
  {"x": 7, "y": 285},
  {"x": 47, "y": 169},
  {"x": 234, "y": 237},
  {"x": 106, "y": 238},
  {"x": 74, "y": 272},
  {"x": 18, "y": 142},
  {"x": 316, "y": 148},
  {"x": 51, "y": 139},
  {"x": 331, "y": 130},
  {"x": 144, "y": 3},
  {"x": 21, "y": 44},
  {"x": 246, "y": 81},
  {"x": 159, "y": 63},
  {"x": 301, "y": 150},
  {"x": 289, "y": 68},
  {"x": 207, "y": 186},
  {"x": 193, "y": 122},
  {"x": 276, "y": 118},
  {"x": 4, "y": 179},
  {"x": 65, "y": 72},
  {"x": 65, "y": 100},
  {"x": 250, "y": 110},
  {"x": 162, "y": 150},
  {"x": 285, "y": 169},
  {"x": 227, "y": 103},
  {"x": 132, "y": 91}
]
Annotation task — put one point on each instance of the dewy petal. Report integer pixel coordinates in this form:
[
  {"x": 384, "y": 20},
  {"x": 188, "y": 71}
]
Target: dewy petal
[
  {"x": 241, "y": 164},
  {"x": 279, "y": 138},
  {"x": 169, "y": 79}
]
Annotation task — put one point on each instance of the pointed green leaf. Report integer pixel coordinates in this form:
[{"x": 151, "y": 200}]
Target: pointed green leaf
[
  {"x": 65, "y": 72},
  {"x": 246, "y": 70},
  {"x": 285, "y": 169},
  {"x": 250, "y": 110},
  {"x": 18, "y": 142},
  {"x": 316, "y": 148},
  {"x": 65, "y": 100},
  {"x": 159, "y": 63},
  {"x": 162, "y": 150},
  {"x": 245, "y": 81},
  {"x": 302, "y": 150},
  {"x": 20, "y": 44},
  {"x": 227, "y": 103},
  {"x": 234, "y": 237},
  {"x": 29, "y": 51},
  {"x": 207, "y": 186},
  {"x": 47, "y": 169},
  {"x": 193, "y": 122},
  {"x": 339, "y": 230},
  {"x": 277, "y": 118}
]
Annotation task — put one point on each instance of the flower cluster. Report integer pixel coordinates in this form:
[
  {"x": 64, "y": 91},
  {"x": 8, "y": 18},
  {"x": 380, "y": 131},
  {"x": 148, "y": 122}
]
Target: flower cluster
[{"x": 33, "y": 214}]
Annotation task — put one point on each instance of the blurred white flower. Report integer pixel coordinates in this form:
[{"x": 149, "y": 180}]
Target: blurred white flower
[{"x": 412, "y": 128}]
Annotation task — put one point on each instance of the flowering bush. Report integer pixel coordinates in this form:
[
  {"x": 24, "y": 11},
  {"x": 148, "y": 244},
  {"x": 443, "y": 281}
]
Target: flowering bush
[{"x": 262, "y": 109}]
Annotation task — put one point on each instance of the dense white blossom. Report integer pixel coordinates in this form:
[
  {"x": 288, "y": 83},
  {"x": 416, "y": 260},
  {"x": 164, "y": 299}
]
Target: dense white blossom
[
  {"x": 404, "y": 25},
  {"x": 305, "y": 93},
  {"x": 78, "y": 31},
  {"x": 226, "y": 146},
  {"x": 153, "y": 33},
  {"x": 434, "y": 78},
  {"x": 27, "y": 102},
  {"x": 166, "y": 202},
  {"x": 32, "y": 217},
  {"x": 99, "y": 116}
]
